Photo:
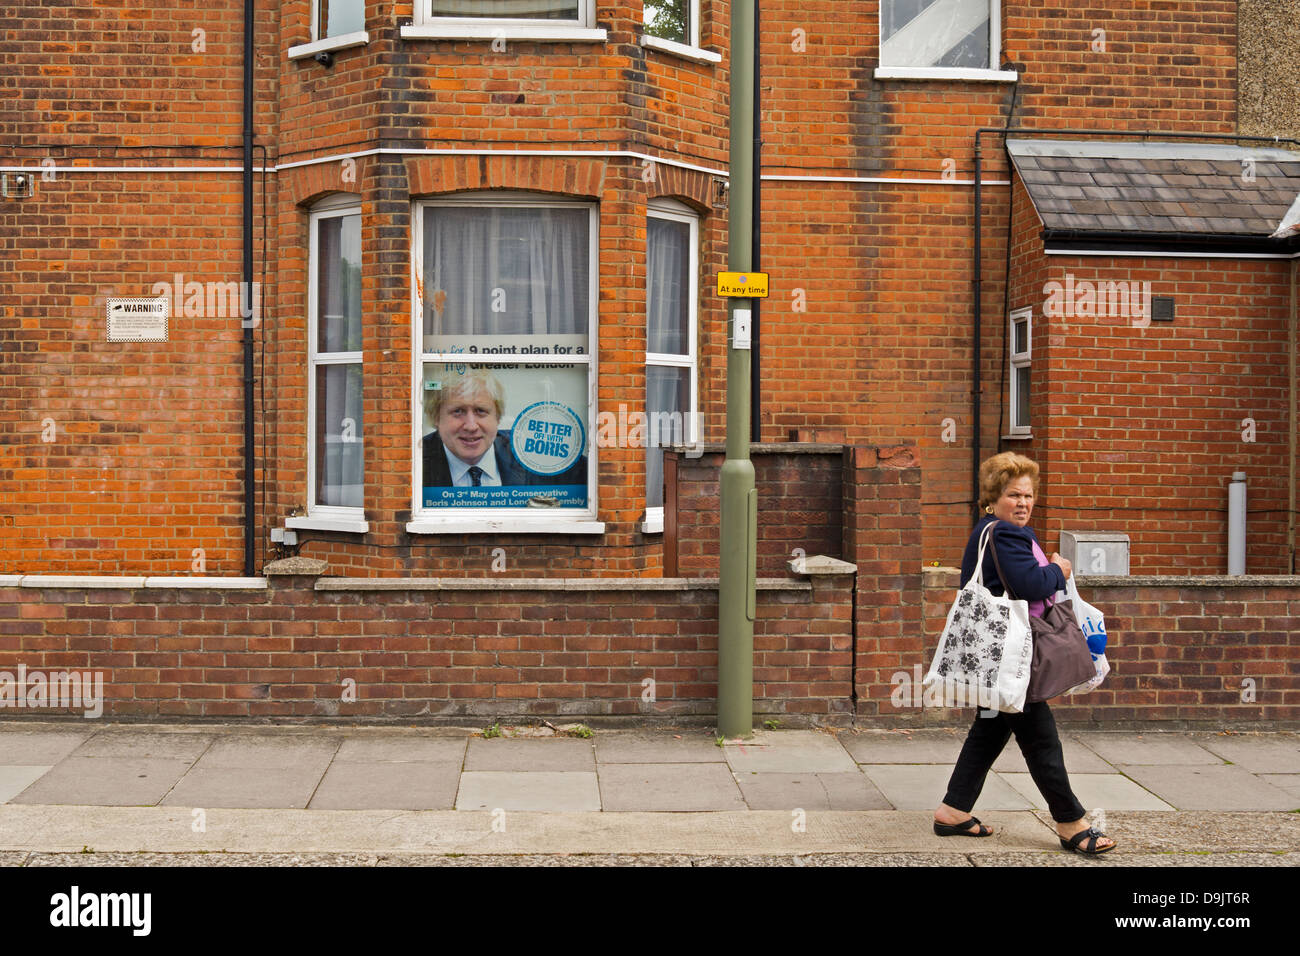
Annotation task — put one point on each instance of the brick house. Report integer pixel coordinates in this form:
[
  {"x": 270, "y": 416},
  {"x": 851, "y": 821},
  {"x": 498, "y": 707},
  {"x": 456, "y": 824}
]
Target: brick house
[{"x": 541, "y": 185}]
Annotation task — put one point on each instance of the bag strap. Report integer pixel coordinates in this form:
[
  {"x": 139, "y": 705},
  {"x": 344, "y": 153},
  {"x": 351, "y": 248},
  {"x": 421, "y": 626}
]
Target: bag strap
[
  {"x": 985, "y": 538},
  {"x": 1006, "y": 585}
]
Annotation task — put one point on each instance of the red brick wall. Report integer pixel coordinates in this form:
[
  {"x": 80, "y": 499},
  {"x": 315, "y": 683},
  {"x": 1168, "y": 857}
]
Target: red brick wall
[
  {"x": 1178, "y": 651},
  {"x": 287, "y": 651},
  {"x": 800, "y": 505},
  {"x": 882, "y": 271},
  {"x": 1139, "y": 427}
]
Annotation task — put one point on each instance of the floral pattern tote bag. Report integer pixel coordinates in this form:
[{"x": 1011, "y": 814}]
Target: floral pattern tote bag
[{"x": 985, "y": 650}]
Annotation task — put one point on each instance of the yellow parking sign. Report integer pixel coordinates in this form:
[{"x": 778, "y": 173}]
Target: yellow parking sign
[{"x": 746, "y": 285}]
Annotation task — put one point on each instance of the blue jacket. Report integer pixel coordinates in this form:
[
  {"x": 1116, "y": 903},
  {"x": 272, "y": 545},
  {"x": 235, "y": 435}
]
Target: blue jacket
[{"x": 1029, "y": 581}]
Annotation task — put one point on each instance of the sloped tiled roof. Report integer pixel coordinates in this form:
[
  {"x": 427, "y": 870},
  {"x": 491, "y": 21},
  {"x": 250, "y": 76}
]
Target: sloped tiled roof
[{"x": 1177, "y": 190}]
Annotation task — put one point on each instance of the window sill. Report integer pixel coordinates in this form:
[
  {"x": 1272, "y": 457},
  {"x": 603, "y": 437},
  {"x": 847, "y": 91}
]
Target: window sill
[
  {"x": 473, "y": 31},
  {"x": 315, "y": 523},
  {"x": 1018, "y": 436},
  {"x": 329, "y": 45},
  {"x": 698, "y": 54},
  {"x": 945, "y": 73},
  {"x": 653, "y": 524},
  {"x": 519, "y": 524}
]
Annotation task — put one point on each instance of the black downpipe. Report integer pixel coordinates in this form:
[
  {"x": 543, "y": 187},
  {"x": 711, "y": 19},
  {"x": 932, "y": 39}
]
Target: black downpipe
[
  {"x": 756, "y": 356},
  {"x": 247, "y": 299},
  {"x": 979, "y": 331}
]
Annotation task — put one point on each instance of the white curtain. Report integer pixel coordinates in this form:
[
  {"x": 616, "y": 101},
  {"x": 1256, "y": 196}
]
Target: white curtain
[
  {"x": 506, "y": 271},
  {"x": 668, "y": 388}
]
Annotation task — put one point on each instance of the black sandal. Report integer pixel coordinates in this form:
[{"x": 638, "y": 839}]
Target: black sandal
[
  {"x": 1093, "y": 834},
  {"x": 962, "y": 829}
]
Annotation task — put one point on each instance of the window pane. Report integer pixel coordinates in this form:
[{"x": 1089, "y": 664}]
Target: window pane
[
  {"x": 504, "y": 272},
  {"x": 668, "y": 402},
  {"x": 668, "y": 19},
  {"x": 339, "y": 460},
  {"x": 668, "y": 313},
  {"x": 508, "y": 9},
  {"x": 504, "y": 436},
  {"x": 338, "y": 17},
  {"x": 1022, "y": 397},
  {"x": 338, "y": 288},
  {"x": 1022, "y": 338},
  {"x": 935, "y": 33}
]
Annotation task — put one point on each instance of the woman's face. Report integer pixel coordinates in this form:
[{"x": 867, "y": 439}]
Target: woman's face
[{"x": 1017, "y": 501}]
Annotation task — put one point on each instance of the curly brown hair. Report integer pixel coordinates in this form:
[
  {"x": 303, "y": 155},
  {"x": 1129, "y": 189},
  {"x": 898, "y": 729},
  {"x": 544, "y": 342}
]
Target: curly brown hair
[{"x": 1000, "y": 470}]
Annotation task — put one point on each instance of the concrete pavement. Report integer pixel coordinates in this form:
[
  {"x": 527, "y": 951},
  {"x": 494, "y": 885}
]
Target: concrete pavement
[{"x": 210, "y": 794}]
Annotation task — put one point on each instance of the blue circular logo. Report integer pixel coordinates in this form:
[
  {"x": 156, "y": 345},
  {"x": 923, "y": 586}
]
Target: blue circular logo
[{"x": 547, "y": 438}]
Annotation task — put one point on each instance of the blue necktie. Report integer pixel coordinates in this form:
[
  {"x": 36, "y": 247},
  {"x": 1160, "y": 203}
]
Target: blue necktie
[{"x": 476, "y": 474}]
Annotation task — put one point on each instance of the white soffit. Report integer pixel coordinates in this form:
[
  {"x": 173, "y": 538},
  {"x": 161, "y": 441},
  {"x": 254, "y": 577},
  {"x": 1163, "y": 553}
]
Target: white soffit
[{"x": 1133, "y": 150}]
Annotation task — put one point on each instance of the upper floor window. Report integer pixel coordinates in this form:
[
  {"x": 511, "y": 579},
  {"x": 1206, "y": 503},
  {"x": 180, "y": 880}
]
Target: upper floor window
[
  {"x": 1021, "y": 350},
  {"x": 672, "y": 20},
  {"x": 922, "y": 39},
  {"x": 336, "y": 18},
  {"x": 576, "y": 12}
]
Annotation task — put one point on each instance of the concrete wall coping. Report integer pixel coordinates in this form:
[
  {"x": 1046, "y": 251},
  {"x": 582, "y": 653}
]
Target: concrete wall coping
[
  {"x": 126, "y": 581},
  {"x": 1161, "y": 580},
  {"x": 766, "y": 448},
  {"x": 546, "y": 584}
]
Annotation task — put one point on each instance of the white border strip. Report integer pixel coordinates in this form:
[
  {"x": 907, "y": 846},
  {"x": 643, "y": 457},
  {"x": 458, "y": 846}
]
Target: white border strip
[
  {"x": 1171, "y": 255},
  {"x": 588, "y": 153}
]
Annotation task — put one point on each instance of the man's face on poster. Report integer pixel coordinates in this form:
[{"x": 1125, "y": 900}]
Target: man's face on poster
[{"x": 468, "y": 425}]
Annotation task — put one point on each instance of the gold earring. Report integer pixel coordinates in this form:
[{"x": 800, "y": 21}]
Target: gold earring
[{"x": 988, "y": 509}]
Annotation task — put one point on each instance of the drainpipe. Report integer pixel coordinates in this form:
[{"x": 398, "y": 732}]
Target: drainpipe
[
  {"x": 246, "y": 295},
  {"x": 1294, "y": 320}
]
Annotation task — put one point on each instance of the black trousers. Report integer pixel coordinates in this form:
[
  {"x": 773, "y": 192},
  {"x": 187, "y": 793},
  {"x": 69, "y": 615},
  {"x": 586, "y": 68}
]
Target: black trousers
[{"x": 1035, "y": 731}]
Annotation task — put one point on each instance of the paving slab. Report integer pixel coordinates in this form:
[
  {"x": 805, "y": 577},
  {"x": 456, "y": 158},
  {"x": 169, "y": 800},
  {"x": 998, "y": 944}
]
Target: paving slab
[
  {"x": 811, "y": 791},
  {"x": 257, "y": 752},
  {"x": 538, "y": 790},
  {"x": 1290, "y": 782},
  {"x": 283, "y": 788},
  {"x": 536, "y": 754},
  {"x": 922, "y": 787},
  {"x": 1142, "y": 749},
  {"x": 1274, "y": 754},
  {"x": 725, "y": 833},
  {"x": 14, "y": 779},
  {"x": 441, "y": 750},
  {"x": 106, "y": 781},
  {"x": 657, "y": 748},
  {"x": 145, "y": 743},
  {"x": 1078, "y": 759},
  {"x": 1096, "y": 791},
  {"x": 788, "y": 751},
  {"x": 922, "y": 746},
  {"x": 676, "y": 787},
  {"x": 40, "y": 747},
  {"x": 1220, "y": 787},
  {"x": 388, "y": 785}
]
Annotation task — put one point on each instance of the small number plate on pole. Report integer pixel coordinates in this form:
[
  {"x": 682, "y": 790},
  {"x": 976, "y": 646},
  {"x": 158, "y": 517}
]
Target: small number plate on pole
[{"x": 744, "y": 285}]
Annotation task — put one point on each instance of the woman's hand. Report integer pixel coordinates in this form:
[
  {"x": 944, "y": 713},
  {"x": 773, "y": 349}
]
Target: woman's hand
[{"x": 1064, "y": 564}]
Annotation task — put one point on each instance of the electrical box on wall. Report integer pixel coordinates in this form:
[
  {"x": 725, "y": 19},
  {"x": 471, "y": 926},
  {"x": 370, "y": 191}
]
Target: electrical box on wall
[{"x": 1096, "y": 552}]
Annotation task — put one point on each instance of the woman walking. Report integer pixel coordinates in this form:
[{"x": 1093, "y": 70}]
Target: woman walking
[{"x": 1008, "y": 484}]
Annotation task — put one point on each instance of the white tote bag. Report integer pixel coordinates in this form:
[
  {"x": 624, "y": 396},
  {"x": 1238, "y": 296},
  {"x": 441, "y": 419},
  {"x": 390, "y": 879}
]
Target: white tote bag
[
  {"x": 1093, "y": 624},
  {"x": 986, "y": 649}
]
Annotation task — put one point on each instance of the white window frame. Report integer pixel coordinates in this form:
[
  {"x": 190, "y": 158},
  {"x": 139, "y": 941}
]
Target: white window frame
[
  {"x": 325, "y": 517},
  {"x": 427, "y": 26},
  {"x": 1023, "y": 359},
  {"x": 691, "y": 49},
  {"x": 492, "y": 520},
  {"x": 991, "y": 73},
  {"x": 679, "y": 212},
  {"x": 320, "y": 44}
]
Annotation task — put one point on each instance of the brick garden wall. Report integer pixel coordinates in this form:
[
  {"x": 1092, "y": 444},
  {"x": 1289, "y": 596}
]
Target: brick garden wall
[{"x": 428, "y": 649}]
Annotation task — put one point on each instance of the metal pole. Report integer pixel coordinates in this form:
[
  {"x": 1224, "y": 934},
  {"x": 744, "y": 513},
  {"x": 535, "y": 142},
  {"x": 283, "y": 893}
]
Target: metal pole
[
  {"x": 739, "y": 530},
  {"x": 246, "y": 296}
]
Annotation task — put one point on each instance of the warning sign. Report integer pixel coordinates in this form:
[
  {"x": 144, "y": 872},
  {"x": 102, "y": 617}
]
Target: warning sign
[
  {"x": 137, "y": 320},
  {"x": 746, "y": 285}
]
